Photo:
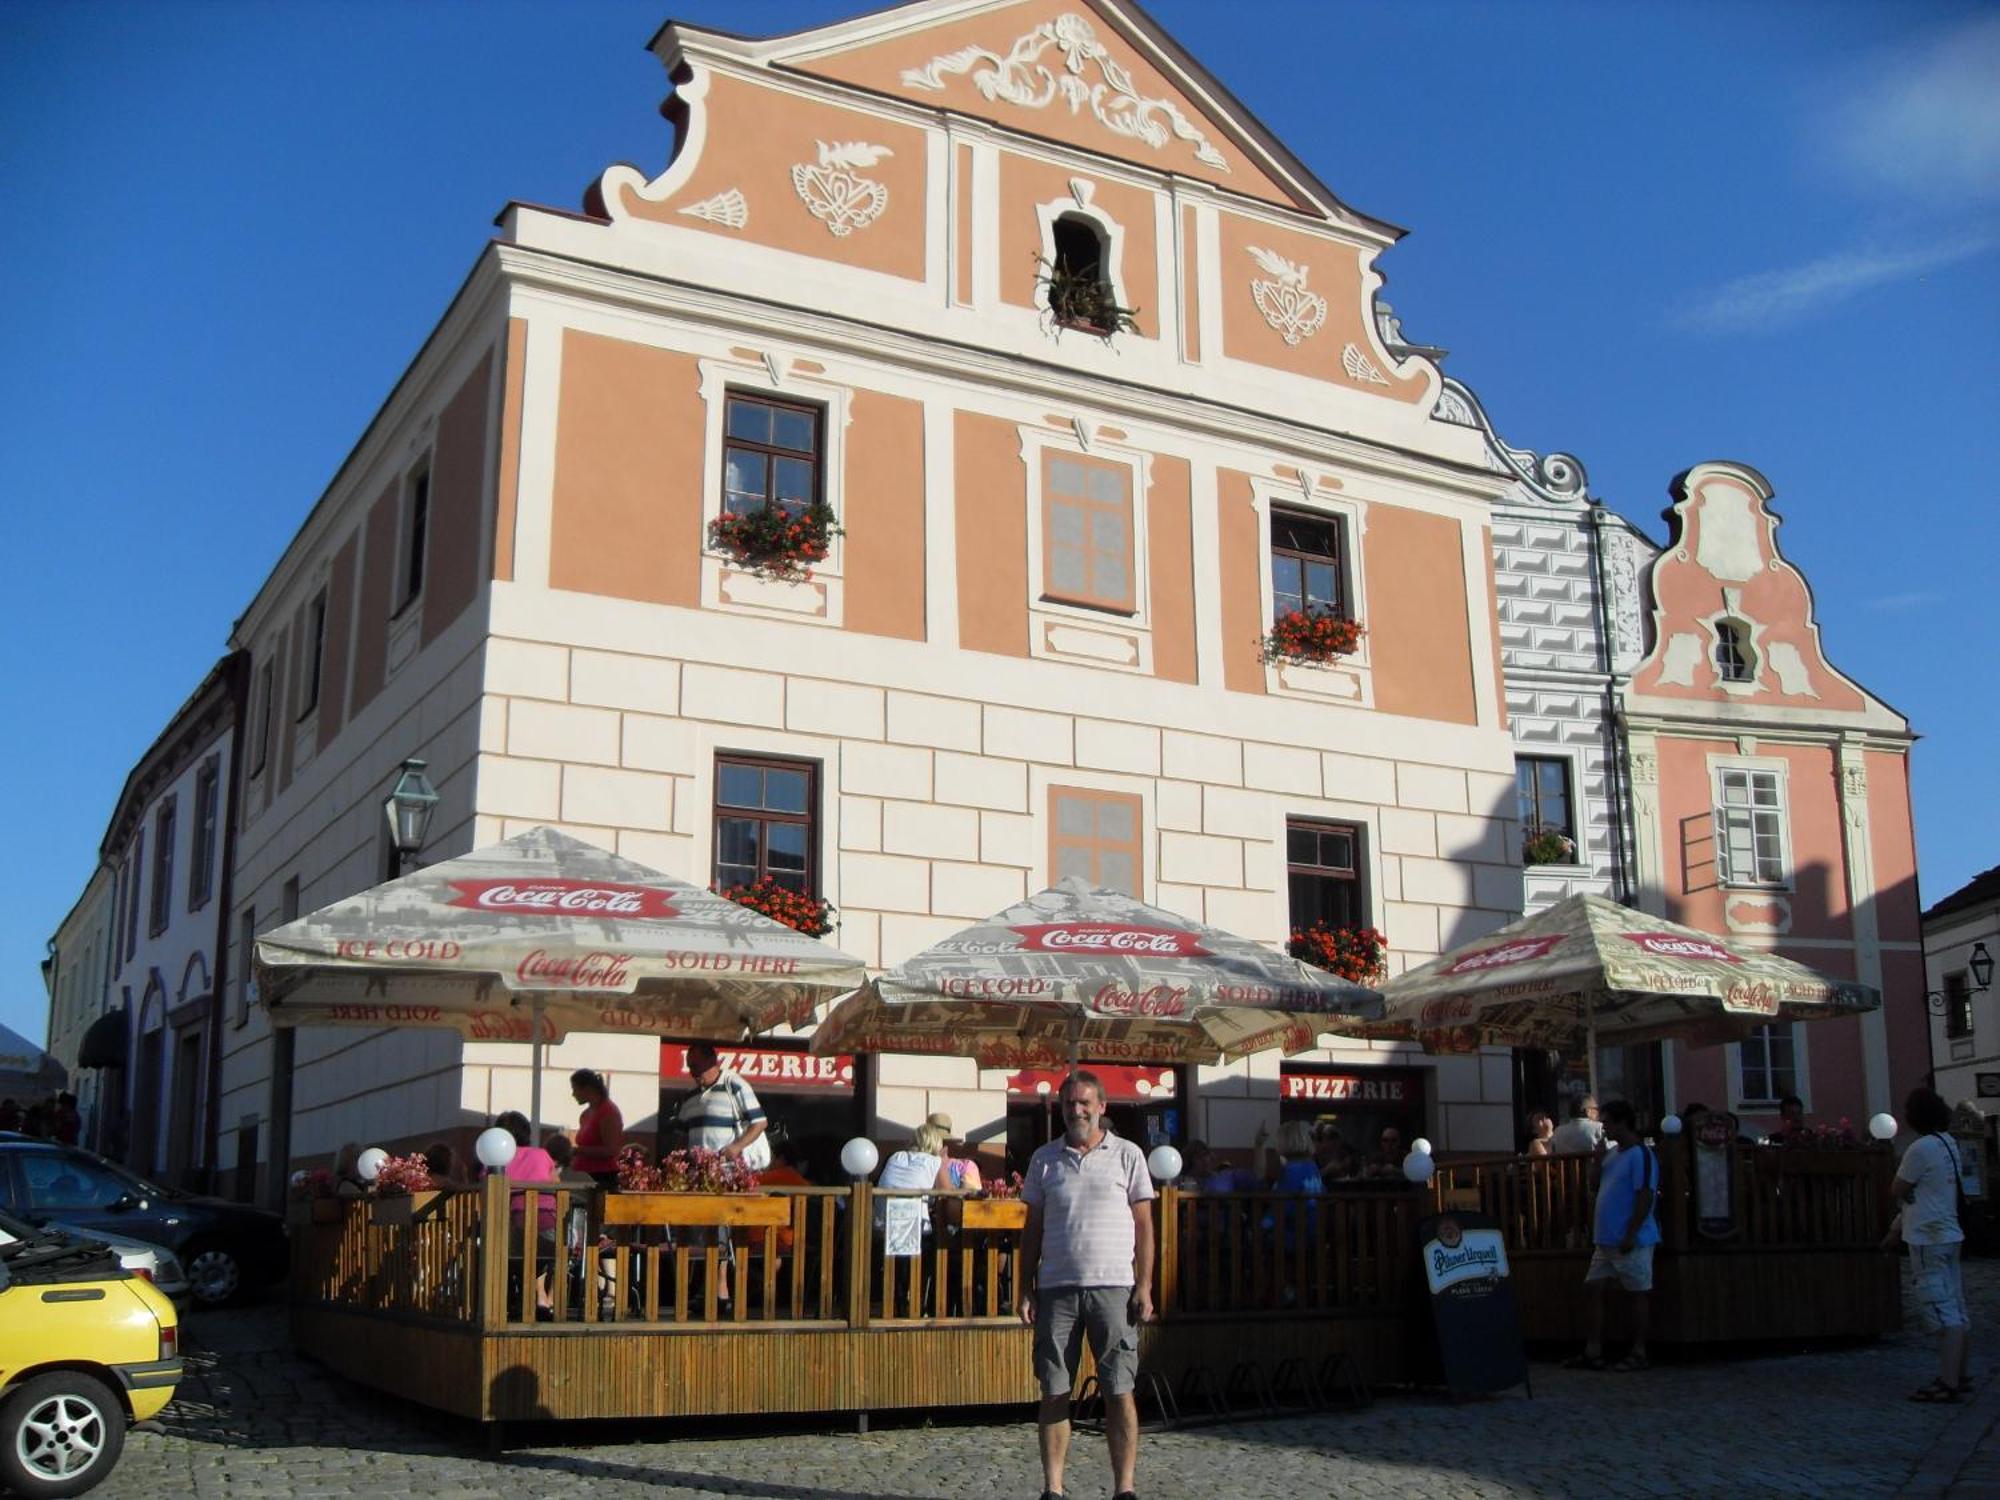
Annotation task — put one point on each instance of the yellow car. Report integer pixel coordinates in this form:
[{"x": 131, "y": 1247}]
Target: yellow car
[{"x": 85, "y": 1348}]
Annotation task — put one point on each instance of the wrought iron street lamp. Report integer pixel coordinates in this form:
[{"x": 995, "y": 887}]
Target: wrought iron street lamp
[
  {"x": 409, "y": 808},
  {"x": 1980, "y": 966}
]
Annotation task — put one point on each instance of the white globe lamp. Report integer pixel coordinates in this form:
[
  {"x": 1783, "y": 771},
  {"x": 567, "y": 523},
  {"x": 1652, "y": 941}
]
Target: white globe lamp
[
  {"x": 1671, "y": 1125},
  {"x": 299, "y": 1178},
  {"x": 1418, "y": 1166},
  {"x": 495, "y": 1148},
  {"x": 1883, "y": 1127},
  {"x": 1164, "y": 1163},
  {"x": 368, "y": 1165},
  {"x": 1420, "y": 1147},
  {"x": 859, "y": 1156}
]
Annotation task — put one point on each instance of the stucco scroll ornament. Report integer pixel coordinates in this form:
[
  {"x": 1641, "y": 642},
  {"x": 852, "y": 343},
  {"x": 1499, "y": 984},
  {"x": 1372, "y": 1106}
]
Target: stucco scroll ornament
[
  {"x": 1360, "y": 367},
  {"x": 729, "y": 209},
  {"x": 834, "y": 192},
  {"x": 1022, "y": 78},
  {"x": 1293, "y": 311}
]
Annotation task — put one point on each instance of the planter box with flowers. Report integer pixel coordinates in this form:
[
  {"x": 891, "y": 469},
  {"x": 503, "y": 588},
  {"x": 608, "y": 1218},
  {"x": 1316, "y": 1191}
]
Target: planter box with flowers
[
  {"x": 1084, "y": 301},
  {"x": 692, "y": 1187},
  {"x": 807, "y": 914},
  {"x": 313, "y": 1199},
  {"x": 403, "y": 1191},
  {"x": 1310, "y": 637},
  {"x": 774, "y": 542},
  {"x": 1356, "y": 953},
  {"x": 1547, "y": 846}
]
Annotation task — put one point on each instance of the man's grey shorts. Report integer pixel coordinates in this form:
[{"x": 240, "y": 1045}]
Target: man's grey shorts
[{"x": 1063, "y": 1315}]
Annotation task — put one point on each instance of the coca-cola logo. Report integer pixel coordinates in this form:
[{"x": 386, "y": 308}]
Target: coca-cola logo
[
  {"x": 568, "y": 897},
  {"x": 1109, "y": 937},
  {"x": 542, "y": 970},
  {"x": 1676, "y": 945},
  {"x": 1752, "y": 995},
  {"x": 1517, "y": 952},
  {"x": 1154, "y": 1000}
]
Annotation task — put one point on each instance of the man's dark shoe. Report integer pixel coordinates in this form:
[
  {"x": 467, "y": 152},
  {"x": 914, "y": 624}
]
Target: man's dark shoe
[
  {"x": 1126, "y": 1495},
  {"x": 1054, "y": 1495}
]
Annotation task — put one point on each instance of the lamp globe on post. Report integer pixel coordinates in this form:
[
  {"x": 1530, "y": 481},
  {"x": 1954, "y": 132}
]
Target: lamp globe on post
[
  {"x": 409, "y": 808},
  {"x": 858, "y": 1157}
]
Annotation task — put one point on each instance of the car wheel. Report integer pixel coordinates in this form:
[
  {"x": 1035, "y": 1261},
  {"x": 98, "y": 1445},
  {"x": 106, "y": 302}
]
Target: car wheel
[
  {"x": 215, "y": 1274},
  {"x": 60, "y": 1434}
]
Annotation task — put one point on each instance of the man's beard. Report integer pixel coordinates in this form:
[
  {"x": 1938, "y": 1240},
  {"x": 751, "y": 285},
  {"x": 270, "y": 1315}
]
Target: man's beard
[{"x": 1078, "y": 1130}]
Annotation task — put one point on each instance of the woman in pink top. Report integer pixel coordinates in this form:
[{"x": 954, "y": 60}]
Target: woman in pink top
[
  {"x": 600, "y": 1135},
  {"x": 533, "y": 1167}
]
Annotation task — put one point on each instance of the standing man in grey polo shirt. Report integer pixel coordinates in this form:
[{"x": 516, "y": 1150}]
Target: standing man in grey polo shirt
[{"x": 1087, "y": 1267}]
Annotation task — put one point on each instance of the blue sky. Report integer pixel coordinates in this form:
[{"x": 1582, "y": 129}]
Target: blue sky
[{"x": 1650, "y": 234}]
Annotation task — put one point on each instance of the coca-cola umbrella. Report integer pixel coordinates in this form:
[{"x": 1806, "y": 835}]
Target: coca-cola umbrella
[
  {"x": 1078, "y": 969},
  {"x": 539, "y": 936},
  {"x": 1589, "y": 972}
]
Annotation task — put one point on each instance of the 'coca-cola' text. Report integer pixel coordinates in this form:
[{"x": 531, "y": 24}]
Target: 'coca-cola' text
[
  {"x": 1109, "y": 938},
  {"x": 568, "y": 897}
]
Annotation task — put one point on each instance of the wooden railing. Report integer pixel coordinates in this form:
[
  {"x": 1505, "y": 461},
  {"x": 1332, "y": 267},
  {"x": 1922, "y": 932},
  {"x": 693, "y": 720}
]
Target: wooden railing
[
  {"x": 1781, "y": 1198},
  {"x": 1245, "y": 1253}
]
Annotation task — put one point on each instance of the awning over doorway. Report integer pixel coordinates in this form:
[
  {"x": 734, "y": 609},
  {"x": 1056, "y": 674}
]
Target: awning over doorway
[{"x": 105, "y": 1043}]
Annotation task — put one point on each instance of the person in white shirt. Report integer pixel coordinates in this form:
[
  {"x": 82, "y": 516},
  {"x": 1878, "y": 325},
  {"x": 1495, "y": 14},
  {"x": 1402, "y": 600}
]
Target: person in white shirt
[
  {"x": 1928, "y": 1183},
  {"x": 1580, "y": 1134}
]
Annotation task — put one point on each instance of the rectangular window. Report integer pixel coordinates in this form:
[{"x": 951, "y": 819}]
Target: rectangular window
[
  {"x": 416, "y": 534},
  {"x": 163, "y": 869},
  {"x": 1750, "y": 827},
  {"x": 288, "y": 900},
  {"x": 1323, "y": 874},
  {"x": 1096, "y": 836},
  {"x": 1957, "y": 1006},
  {"x": 120, "y": 894},
  {"x": 135, "y": 870},
  {"x": 766, "y": 822},
  {"x": 1547, "y": 811},
  {"x": 1768, "y": 1069},
  {"x": 260, "y": 719},
  {"x": 315, "y": 652},
  {"x": 1087, "y": 532},
  {"x": 770, "y": 454},
  {"x": 1308, "y": 563},
  {"x": 246, "y": 952},
  {"x": 207, "y": 820}
]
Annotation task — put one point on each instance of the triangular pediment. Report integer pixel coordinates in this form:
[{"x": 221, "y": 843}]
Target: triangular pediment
[{"x": 1088, "y": 74}]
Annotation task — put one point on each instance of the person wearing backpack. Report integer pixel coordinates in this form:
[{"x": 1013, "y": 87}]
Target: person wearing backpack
[
  {"x": 1931, "y": 1193},
  {"x": 722, "y": 1114},
  {"x": 1627, "y": 1229}
]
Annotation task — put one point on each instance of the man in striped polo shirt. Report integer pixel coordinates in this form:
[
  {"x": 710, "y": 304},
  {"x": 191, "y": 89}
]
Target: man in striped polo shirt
[
  {"x": 1087, "y": 1267},
  {"x": 722, "y": 1114}
]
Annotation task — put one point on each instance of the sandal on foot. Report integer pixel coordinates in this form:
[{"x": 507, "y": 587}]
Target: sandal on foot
[
  {"x": 1584, "y": 1362},
  {"x": 1631, "y": 1364},
  {"x": 1936, "y": 1391}
]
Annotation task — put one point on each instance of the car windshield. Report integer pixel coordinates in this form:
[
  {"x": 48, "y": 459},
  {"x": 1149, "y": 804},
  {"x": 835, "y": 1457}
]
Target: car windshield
[{"x": 58, "y": 1183}]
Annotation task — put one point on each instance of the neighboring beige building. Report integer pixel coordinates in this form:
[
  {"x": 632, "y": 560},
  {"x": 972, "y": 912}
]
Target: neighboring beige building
[
  {"x": 1962, "y": 944},
  {"x": 1035, "y": 648},
  {"x": 79, "y": 954}
]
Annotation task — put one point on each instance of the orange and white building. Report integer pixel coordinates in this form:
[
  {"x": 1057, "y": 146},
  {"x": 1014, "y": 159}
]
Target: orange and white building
[{"x": 1034, "y": 649}]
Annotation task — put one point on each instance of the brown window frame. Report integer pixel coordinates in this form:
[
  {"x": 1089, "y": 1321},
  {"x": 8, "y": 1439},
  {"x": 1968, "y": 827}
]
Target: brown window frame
[
  {"x": 315, "y": 657},
  {"x": 1354, "y": 877},
  {"x": 1135, "y": 846},
  {"x": 773, "y": 451},
  {"x": 809, "y": 819},
  {"x": 1534, "y": 818},
  {"x": 1126, "y": 510},
  {"x": 207, "y": 825},
  {"x": 1336, "y": 528}
]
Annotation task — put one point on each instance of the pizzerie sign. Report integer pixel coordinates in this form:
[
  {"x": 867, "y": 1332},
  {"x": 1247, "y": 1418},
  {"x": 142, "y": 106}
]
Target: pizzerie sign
[
  {"x": 1518, "y": 952},
  {"x": 1109, "y": 938},
  {"x": 1677, "y": 945},
  {"x": 564, "y": 897}
]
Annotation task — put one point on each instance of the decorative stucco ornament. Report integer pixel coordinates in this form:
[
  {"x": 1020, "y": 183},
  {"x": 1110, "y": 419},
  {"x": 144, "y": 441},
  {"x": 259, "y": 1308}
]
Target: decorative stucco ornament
[
  {"x": 834, "y": 192},
  {"x": 1022, "y": 78},
  {"x": 1293, "y": 311},
  {"x": 729, "y": 209},
  {"x": 1361, "y": 367}
]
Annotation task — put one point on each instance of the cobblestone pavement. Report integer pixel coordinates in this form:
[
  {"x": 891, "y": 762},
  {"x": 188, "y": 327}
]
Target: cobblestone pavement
[{"x": 253, "y": 1419}]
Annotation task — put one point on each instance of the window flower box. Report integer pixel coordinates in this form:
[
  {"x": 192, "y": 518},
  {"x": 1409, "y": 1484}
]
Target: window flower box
[
  {"x": 1547, "y": 846},
  {"x": 775, "y": 542},
  {"x": 807, "y": 914},
  {"x": 1356, "y": 953},
  {"x": 403, "y": 1208},
  {"x": 1085, "y": 302},
  {"x": 988, "y": 1213},
  {"x": 1310, "y": 637}
]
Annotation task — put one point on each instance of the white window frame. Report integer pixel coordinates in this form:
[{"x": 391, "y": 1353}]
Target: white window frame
[
  {"x": 1578, "y": 813},
  {"x": 820, "y": 601},
  {"x": 1308, "y": 681},
  {"x": 1053, "y": 623},
  {"x": 1801, "y": 1076},
  {"x": 1779, "y": 770},
  {"x": 1751, "y": 635}
]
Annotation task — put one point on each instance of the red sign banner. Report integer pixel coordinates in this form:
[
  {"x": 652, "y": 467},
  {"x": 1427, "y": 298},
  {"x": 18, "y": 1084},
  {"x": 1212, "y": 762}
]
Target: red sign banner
[
  {"x": 765, "y": 1068},
  {"x": 564, "y": 897},
  {"x": 1111, "y": 939},
  {"x": 1353, "y": 1088},
  {"x": 1517, "y": 952},
  {"x": 1122, "y": 1085},
  {"x": 1675, "y": 945}
]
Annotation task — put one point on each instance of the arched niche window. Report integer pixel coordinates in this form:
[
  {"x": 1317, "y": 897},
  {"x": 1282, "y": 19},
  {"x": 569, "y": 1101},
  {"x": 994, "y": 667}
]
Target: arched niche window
[
  {"x": 1076, "y": 281},
  {"x": 1735, "y": 661}
]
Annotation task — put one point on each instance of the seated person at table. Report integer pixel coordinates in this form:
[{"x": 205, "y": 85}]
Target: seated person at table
[
  {"x": 1299, "y": 1172},
  {"x": 1386, "y": 1165},
  {"x": 1333, "y": 1156},
  {"x": 1206, "y": 1174},
  {"x": 958, "y": 1163},
  {"x": 1540, "y": 1129}
]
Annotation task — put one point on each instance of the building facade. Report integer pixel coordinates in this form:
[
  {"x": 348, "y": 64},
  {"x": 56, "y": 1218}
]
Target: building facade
[
  {"x": 76, "y": 969},
  {"x": 1961, "y": 943}
]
